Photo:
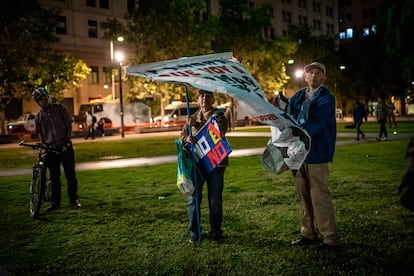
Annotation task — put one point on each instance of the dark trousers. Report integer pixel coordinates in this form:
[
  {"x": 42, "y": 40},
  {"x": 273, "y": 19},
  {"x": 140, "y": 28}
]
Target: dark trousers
[
  {"x": 358, "y": 124},
  {"x": 383, "y": 128},
  {"x": 91, "y": 132},
  {"x": 215, "y": 190},
  {"x": 67, "y": 159}
]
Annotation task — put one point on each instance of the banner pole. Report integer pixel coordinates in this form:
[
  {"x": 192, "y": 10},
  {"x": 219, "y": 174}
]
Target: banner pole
[{"x": 194, "y": 166}]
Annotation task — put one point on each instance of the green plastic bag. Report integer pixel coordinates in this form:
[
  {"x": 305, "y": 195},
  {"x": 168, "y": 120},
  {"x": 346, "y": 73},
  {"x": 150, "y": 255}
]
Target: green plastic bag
[{"x": 184, "y": 169}]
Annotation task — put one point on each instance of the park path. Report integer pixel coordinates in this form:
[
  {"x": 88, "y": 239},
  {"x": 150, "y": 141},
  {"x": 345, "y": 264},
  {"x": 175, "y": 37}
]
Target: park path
[{"x": 147, "y": 161}]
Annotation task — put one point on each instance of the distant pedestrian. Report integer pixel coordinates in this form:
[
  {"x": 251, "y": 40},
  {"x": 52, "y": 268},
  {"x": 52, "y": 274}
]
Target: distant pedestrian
[
  {"x": 100, "y": 127},
  {"x": 406, "y": 188},
  {"x": 367, "y": 113},
  {"x": 359, "y": 115},
  {"x": 391, "y": 115},
  {"x": 90, "y": 121},
  {"x": 382, "y": 114}
]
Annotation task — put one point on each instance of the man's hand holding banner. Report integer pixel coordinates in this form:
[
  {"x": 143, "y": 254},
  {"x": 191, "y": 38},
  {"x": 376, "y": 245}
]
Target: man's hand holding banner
[{"x": 221, "y": 73}]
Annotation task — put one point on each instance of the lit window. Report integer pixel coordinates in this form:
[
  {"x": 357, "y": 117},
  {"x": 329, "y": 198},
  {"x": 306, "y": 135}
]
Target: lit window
[
  {"x": 61, "y": 25},
  {"x": 349, "y": 33},
  {"x": 94, "y": 76},
  {"x": 92, "y": 28},
  {"x": 107, "y": 75}
]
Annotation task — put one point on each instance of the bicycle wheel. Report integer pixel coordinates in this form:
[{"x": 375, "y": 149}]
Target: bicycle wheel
[
  {"x": 48, "y": 186},
  {"x": 36, "y": 192}
]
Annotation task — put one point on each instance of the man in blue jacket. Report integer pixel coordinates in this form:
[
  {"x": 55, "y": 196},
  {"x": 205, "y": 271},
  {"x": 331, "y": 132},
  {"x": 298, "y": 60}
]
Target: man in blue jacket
[{"x": 314, "y": 109}]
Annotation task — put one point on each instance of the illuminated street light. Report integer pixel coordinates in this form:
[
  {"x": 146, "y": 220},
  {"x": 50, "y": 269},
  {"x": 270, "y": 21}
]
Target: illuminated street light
[
  {"x": 111, "y": 50},
  {"x": 119, "y": 56},
  {"x": 298, "y": 74}
]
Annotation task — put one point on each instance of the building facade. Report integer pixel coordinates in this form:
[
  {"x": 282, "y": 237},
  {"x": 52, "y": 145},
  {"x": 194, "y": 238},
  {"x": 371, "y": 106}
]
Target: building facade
[
  {"x": 81, "y": 36},
  {"x": 357, "y": 15}
]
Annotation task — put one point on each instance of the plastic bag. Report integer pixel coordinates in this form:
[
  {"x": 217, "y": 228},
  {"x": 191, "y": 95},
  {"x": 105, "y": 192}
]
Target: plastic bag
[{"x": 184, "y": 170}]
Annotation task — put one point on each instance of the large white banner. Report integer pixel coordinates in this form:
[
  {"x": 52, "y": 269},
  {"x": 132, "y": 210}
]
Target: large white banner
[{"x": 221, "y": 73}]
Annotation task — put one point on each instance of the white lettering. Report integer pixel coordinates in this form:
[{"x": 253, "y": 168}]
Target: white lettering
[{"x": 202, "y": 147}]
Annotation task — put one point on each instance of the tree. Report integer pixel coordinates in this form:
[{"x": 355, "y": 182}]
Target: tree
[
  {"x": 161, "y": 30},
  {"x": 395, "y": 22},
  {"x": 380, "y": 63},
  {"x": 321, "y": 48},
  {"x": 241, "y": 30},
  {"x": 26, "y": 58}
]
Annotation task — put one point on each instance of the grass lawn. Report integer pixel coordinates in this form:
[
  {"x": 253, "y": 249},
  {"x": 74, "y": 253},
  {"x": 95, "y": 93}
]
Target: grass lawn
[
  {"x": 341, "y": 126},
  {"x": 23, "y": 157},
  {"x": 133, "y": 221}
]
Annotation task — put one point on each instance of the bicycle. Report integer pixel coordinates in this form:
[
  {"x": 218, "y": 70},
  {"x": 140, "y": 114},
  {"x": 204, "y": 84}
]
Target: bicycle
[{"x": 40, "y": 185}]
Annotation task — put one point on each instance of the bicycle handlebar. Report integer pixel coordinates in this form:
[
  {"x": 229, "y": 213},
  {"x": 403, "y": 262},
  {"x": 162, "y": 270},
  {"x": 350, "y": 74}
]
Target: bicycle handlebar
[
  {"x": 40, "y": 146},
  {"x": 33, "y": 146}
]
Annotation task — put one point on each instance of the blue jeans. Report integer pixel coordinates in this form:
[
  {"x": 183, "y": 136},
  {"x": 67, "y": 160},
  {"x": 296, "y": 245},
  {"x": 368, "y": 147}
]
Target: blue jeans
[
  {"x": 358, "y": 124},
  {"x": 215, "y": 182}
]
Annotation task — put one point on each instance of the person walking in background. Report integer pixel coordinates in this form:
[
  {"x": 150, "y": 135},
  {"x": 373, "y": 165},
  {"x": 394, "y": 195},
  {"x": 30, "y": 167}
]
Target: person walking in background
[
  {"x": 314, "y": 109},
  {"x": 54, "y": 128},
  {"x": 359, "y": 115},
  {"x": 100, "y": 127},
  {"x": 90, "y": 121},
  {"x": 215, "y": 179},
  {"x": 391, "y": 115},
  {"x": 367, "y": 113},
  {"x": 382, "y": 113}
]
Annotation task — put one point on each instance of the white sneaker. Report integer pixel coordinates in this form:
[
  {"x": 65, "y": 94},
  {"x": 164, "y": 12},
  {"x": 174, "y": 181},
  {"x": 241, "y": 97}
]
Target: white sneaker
[{"x": 384, "y": 139}]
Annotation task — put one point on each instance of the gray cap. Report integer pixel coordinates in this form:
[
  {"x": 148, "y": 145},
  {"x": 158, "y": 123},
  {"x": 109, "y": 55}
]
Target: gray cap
[{"x": 318, "y": 65}]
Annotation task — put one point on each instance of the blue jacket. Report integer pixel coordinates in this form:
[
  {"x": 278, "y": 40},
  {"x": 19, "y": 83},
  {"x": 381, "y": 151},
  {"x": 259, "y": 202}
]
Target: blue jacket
[
  {"x": 359, "y": 113},
  {"x": 321, "y": 123}
]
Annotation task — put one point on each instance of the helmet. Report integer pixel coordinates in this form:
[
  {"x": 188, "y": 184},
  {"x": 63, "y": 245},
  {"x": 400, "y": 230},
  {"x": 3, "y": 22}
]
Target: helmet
[{"x": 39, "y": 92}]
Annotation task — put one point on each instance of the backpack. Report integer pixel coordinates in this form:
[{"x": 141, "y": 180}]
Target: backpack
[{"x": 93, "y": 119}]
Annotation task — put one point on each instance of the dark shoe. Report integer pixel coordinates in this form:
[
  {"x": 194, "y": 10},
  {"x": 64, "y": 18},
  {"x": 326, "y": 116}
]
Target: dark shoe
[
  {"x": 194, "y": 237},
  {"x": 303, "y": 241},
  {"x": 75, "y": 204},
  {"x": 193, "y": 241},
  {"x": 216, "y": 236},
  {"x": 52, "y": 207},
  {"x": 330, "y": 247}
]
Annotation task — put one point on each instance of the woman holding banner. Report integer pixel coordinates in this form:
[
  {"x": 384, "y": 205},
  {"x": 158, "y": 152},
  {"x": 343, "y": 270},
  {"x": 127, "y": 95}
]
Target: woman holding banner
[{"x": 214, "y": 177}]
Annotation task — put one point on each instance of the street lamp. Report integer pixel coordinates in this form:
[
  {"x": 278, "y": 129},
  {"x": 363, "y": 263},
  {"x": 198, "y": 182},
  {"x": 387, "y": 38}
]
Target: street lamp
[
  {"x": 111, "y": 50},
  {"x": 119, "y": 56},
  {"x": 299, "y": 74}
]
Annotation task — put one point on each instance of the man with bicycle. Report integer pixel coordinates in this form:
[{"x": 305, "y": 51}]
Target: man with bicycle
[{"x": 54, "y": 128}]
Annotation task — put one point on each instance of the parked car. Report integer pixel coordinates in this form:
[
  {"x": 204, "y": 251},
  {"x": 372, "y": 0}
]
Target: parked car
[
  {"x": 24, "y": 124},
  {"x": 175, "y": 114}
]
